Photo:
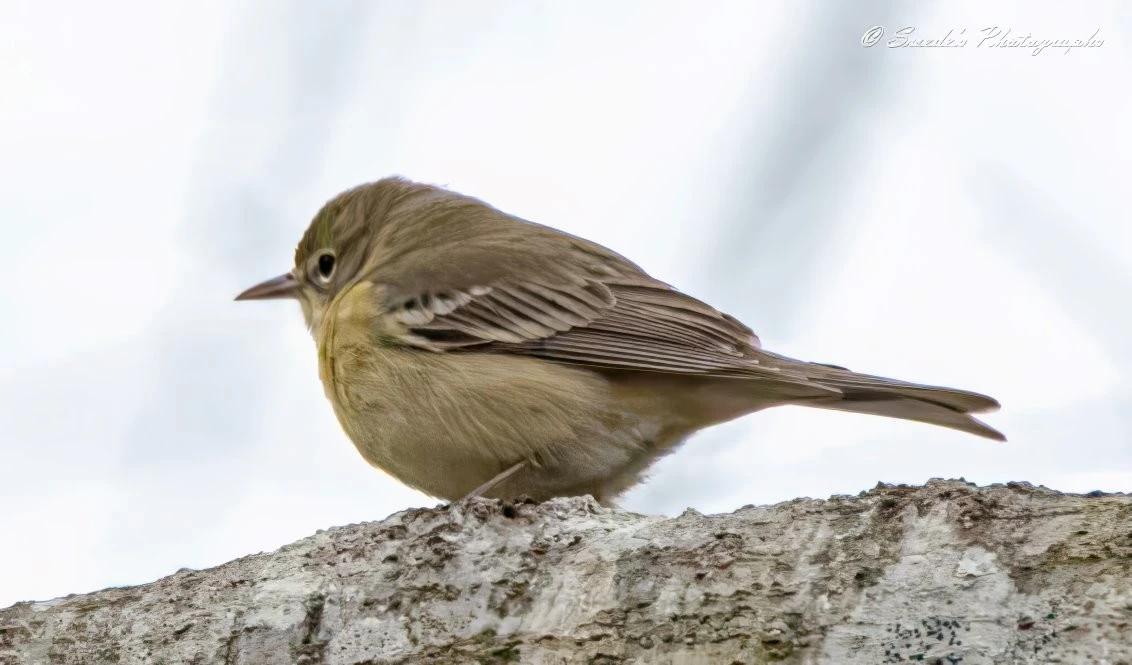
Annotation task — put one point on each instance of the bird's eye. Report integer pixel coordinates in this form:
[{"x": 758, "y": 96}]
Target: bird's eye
[{"x": 325, "y": 267}]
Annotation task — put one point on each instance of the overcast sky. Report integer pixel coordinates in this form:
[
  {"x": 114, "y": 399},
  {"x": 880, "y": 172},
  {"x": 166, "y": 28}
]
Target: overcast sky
[{"x": 957, "y": 216}]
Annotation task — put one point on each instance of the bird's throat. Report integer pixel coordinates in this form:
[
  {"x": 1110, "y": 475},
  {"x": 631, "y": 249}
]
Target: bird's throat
[{"x": 349, "y": 321}]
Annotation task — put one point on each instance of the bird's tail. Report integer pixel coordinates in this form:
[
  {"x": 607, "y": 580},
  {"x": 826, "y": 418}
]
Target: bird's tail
[{"x": 879, "y": 396}]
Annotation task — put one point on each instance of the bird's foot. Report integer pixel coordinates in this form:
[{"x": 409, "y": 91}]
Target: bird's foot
[{"x": 500, "y": 477}]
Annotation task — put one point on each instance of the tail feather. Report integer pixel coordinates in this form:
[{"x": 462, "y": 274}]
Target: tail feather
[
  {"x": 912, "y": 408},
  {"x": 880, "y": 396}
]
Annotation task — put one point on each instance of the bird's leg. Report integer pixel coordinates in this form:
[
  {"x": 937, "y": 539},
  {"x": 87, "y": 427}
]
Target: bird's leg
[{"x": 500, "y": 477}]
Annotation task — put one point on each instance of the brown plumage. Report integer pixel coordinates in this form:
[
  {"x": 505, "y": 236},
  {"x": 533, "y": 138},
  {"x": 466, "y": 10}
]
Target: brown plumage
[{"x": 468, "y": 351}]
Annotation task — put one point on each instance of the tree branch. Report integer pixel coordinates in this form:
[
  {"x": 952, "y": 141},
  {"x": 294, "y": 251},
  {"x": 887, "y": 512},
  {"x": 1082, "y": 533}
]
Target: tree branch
[{"x": 947, "y": 573}]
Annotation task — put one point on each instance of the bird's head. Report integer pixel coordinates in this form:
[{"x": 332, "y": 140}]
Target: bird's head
[{"x": 333, "y": 251}]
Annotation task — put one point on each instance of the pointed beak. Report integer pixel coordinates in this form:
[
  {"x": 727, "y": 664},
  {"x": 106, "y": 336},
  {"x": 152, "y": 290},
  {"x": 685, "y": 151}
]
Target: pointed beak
[{"x": 283, "y": 286}]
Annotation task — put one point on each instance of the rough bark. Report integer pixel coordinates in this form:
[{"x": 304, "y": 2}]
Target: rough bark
[{"x": 947, "y": 573}]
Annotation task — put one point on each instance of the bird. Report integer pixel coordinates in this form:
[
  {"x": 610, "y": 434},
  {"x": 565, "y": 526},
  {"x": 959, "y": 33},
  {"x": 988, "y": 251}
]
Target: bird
[{"x": 468, "y": 352}]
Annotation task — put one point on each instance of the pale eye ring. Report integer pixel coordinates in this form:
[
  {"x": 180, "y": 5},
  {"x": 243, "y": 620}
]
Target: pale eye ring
[{"x": 324, "y": 267}]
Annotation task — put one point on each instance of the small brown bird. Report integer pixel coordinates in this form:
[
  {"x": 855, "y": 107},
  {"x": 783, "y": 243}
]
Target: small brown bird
[{"x": 469, "y": 352}]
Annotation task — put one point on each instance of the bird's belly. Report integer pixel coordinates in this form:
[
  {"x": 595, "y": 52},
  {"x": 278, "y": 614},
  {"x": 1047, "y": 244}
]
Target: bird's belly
[{"x": 446, "y": 423}]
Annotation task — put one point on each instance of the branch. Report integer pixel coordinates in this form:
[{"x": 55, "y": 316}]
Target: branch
[{"x": 947, "y": 573}]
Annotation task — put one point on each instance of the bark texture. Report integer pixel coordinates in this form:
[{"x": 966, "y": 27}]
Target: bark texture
[{"x": 947, "y": 573}]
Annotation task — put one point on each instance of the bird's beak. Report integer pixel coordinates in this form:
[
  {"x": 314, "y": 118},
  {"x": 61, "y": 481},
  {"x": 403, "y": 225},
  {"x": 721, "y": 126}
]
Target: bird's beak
[{"x": 283, "y": 286}]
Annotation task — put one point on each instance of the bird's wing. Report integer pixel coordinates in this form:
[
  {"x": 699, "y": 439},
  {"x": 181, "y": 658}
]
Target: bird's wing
[{"x": 590, "y": 309}]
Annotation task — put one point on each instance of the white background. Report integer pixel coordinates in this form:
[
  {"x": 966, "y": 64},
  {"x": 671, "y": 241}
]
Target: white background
[{"x": 955, "y": 216}]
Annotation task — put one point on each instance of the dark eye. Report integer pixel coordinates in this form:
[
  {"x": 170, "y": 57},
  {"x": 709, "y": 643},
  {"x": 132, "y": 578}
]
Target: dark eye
[
  {"x": 325, "y": 267},
  {"x": 326, "y": 264}
]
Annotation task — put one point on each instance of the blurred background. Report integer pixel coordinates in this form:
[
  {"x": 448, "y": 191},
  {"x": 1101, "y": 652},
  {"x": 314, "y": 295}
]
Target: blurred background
[{"x": 955, "y": 215}]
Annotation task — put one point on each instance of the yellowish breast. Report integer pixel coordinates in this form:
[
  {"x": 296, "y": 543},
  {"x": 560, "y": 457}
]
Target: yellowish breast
[{"x": 349, "y": 326}]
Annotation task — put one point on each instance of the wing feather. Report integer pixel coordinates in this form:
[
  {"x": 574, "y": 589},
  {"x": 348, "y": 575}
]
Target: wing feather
[
  {"x": 571, "y": 302},
  {"x": 629, "y": 323}
]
